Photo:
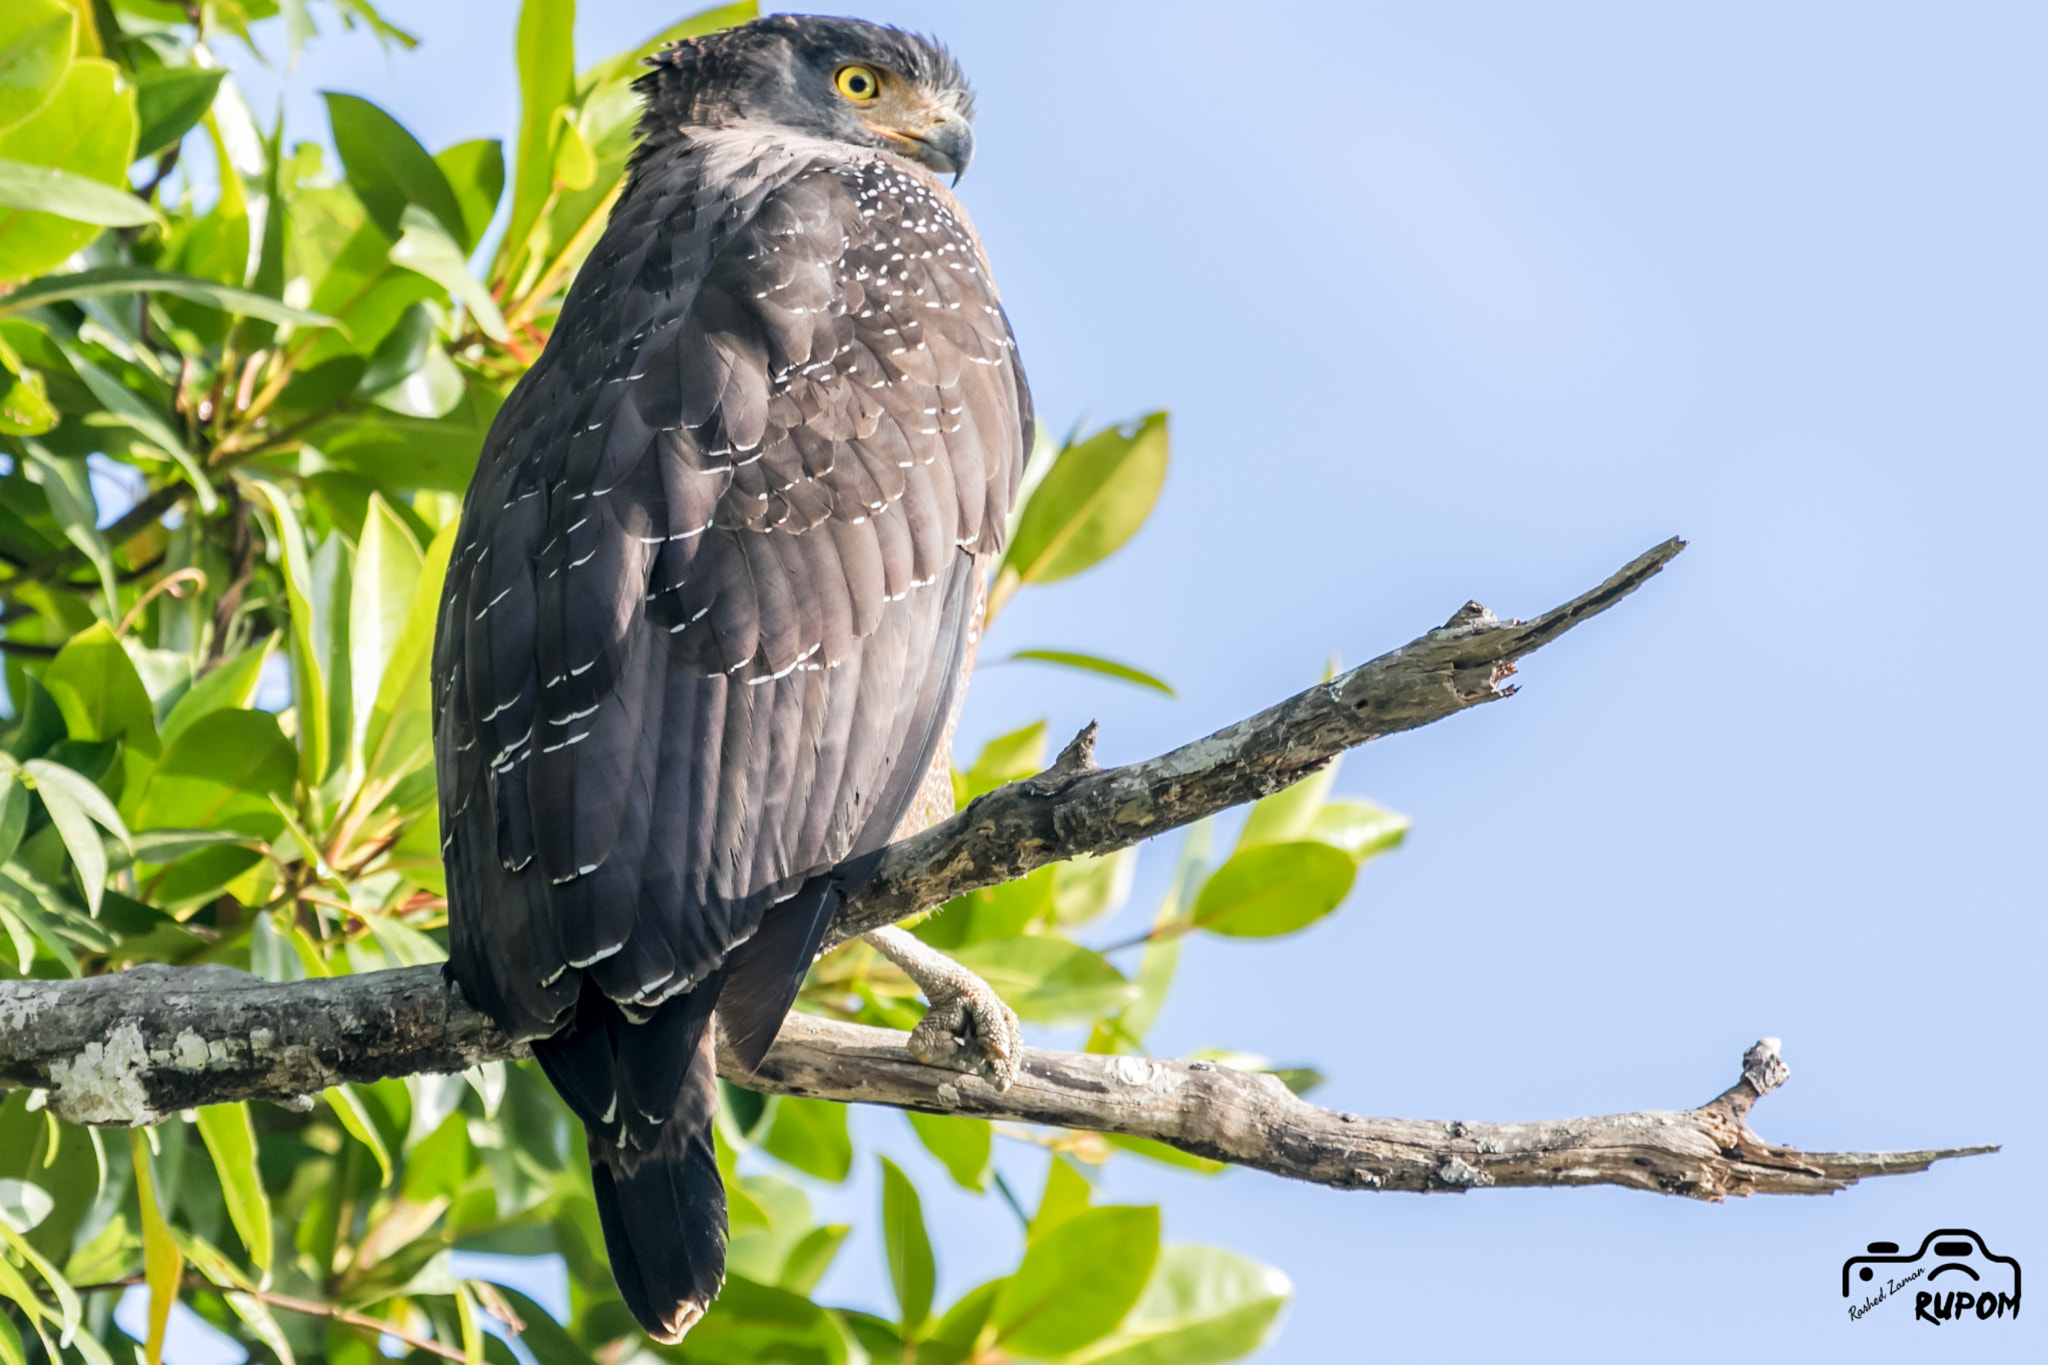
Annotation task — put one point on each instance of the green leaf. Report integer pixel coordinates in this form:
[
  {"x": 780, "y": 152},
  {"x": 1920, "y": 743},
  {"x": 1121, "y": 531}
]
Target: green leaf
[
  {"x": 169, "y": 101},
  {"x": 1126, "y": 1032},
  {"x": 909, "y": 1248},
  {"x": 24, "y": 1206},
  {"x": 23, "y": 909},
  {"x": 95, "y": 685},
  {"x": 426, "y": 249},
  {"x": 476, "y": 173},
  {"x": 811, "y": 1257},
  {"x": 1090, "y": 663},
  {"x": 110, "y": 280},
  {"x": 163, "y": 1263},
  {"x": 811, "y": 1136},
  {"x": 1066, "y": 1194},
  {"x": 1360, "y": 828},
  {"x": 1274, "y": 889},
  {"x": 776, "y": 1217},
  {"x": 263, "y": 1324},
  {"x": 349, "y": 1109},
  {"x": 20, "y": 935},
  {"x": 441, "y": 1161},
  {"x": 961, "y": 1327},
  {"x": 14, "y": 1286},
  {"x": 25, "y": 408},
  {"x": 1048, "y": 980},
  {"x": 87, "y": 129},
  {"x": 403, "y": 944},
  {"x": 1006, "y": 758},
  {"x": 389, "y": 170},
  {"x": 13, "y": 811},
  {"x": 401, "y": 353},
  {"x": 1077, "y": 1281},
  {"x": 547, "y": 74},
  {"x": 388, "y": 35},
  {"x": 231, "y": 1138},
  {"x": 431, "y": 389},
  {"x": 1087, "y": 888},
  {"x": 69, "y": 1310},
  {"x": 1202, "y": 1306},
  {"x": 144, "y": 420},
  {"x": 221, "y": 771},
  {"x": 46, "y": 189},
  {"x": 166, "y": 845},
  {"x": 575, "y": 167},
  {"x": 1286, "y": 816},
  {"x": 626, "y": 65},
  {"x": 231, "y": 685},
  {"x": 758, "y": 1322},
  {"x": 35, "y": 47},
  {"x": 1094, "y": 498},
  {"x": 318, "y": 621},
  {"x": 1165, "y": 1155},
  {"x": 1004, "y": 911},
  {"x": 381, "y": 600},
  {"x": 404, "y": 453},
  {"x": 69, "y": 491},
  {"x": 75, "y": 805},
  {"x": 1037, "y": 464},
  {"x": 549, "y": 1343},
  {"x": 365, "y": 293},
  {"x": 964, "y": 1146},
  {"x": 400, "y": 734}
]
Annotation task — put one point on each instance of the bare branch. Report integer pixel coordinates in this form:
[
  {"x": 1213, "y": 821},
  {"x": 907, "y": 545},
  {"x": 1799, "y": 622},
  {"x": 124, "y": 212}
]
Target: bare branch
[
  {"x": 1075, "y": 808},
  {"x": 137, "y": 1046},
  {"x": 1253, "y": 1120}
]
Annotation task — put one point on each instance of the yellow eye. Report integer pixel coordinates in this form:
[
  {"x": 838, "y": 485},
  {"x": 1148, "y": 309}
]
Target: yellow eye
[{"x": 858, "y": 83}]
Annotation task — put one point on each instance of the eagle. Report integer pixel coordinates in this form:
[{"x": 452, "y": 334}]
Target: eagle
[{"x": 713, "y": 597}]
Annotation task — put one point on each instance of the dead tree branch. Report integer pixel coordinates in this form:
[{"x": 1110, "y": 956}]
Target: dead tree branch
[
  {"x": 137, "y": 1046},
  {"x": 1075, "y": 808}
]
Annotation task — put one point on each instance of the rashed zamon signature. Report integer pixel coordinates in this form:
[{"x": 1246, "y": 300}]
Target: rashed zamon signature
[{"x": 1978, "y": 1278}]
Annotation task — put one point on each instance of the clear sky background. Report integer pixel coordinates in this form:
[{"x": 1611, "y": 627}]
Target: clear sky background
[{"x": 1481, "y": 300}]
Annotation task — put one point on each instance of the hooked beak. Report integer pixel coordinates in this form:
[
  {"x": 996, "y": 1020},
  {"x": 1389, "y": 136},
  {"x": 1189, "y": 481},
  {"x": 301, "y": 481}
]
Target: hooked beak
[{"x": 946, "y": 147}]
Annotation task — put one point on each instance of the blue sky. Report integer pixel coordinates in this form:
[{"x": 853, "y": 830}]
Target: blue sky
[{"x": 1481, "y": 300}]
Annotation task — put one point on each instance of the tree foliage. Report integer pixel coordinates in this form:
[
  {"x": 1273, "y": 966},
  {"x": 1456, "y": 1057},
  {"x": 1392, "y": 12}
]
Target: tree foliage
[{"x": 242, "y": 386}]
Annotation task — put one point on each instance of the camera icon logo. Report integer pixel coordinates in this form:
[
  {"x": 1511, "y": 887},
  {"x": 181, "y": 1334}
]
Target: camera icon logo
[{"x": 1959, "y": 1277}]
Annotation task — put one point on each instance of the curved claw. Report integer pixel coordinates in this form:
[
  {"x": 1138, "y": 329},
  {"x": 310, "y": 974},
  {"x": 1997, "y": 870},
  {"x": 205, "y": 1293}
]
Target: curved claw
[
  {"x": 967, "y": 1028},
  {"x": 972, "y": 1031}
]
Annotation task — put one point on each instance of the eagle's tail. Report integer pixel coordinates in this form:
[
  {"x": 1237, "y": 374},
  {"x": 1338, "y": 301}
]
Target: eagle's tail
[{"x": 659, "y": 1195}]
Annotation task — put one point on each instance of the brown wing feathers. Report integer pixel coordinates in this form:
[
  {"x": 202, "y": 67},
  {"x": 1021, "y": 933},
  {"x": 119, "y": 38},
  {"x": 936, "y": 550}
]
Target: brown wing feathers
[
  {"x": 702, "y": 636},
  {"x": 705, "y": 612}
]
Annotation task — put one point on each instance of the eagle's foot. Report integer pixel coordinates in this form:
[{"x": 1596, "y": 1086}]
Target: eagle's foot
[{"x": 967, "y": 1027}]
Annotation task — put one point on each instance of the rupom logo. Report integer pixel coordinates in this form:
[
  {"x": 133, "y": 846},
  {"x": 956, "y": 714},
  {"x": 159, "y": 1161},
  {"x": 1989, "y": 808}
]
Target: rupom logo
[{"x": 1977, "y": 1278}]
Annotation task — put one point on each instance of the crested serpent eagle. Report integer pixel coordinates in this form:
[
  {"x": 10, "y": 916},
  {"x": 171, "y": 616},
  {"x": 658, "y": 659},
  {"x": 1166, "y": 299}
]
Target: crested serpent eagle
[{"x": 712, "y": 599}]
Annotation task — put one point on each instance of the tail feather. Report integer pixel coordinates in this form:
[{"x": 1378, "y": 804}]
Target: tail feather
[
  {"x": 663, "y": 1209},
  {"x": 647, "y": 1092}
]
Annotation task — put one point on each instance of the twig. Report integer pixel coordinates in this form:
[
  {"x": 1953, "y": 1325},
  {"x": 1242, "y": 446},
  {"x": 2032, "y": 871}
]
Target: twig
[
  {"x": 292, "y": 1305},
  {"x": 354, "y": 1319}
]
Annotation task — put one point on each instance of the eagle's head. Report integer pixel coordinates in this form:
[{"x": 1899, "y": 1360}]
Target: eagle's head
[{"x": 842, "y": 79}]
